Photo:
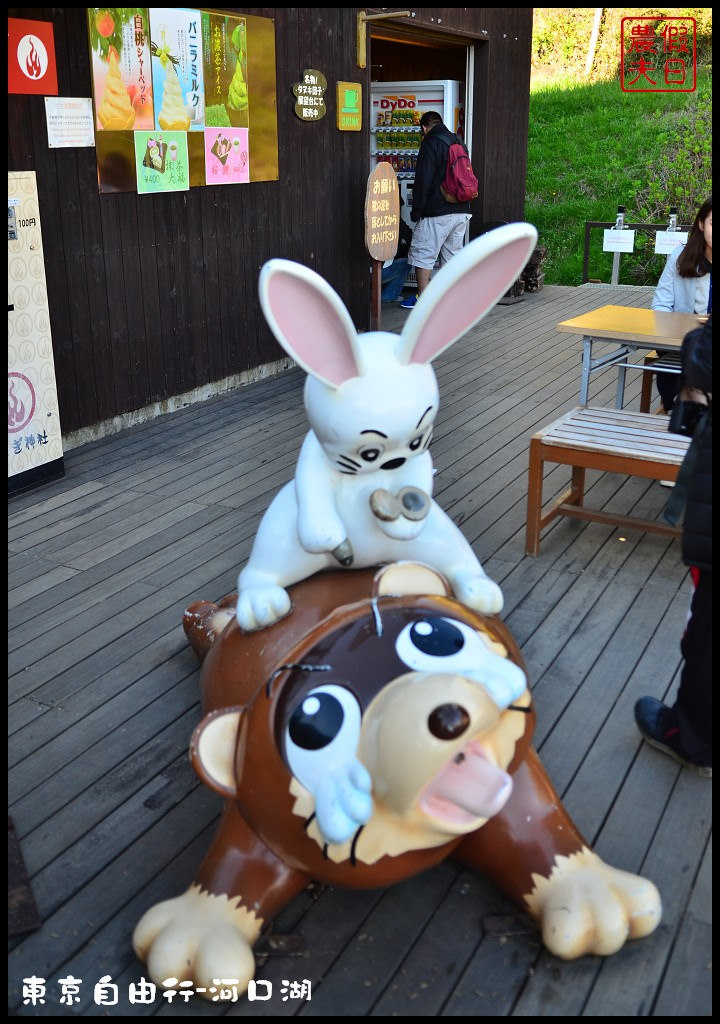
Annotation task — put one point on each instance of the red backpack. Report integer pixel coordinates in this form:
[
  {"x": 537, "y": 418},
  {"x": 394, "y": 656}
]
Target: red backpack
[{"x": 459, "y": 184}]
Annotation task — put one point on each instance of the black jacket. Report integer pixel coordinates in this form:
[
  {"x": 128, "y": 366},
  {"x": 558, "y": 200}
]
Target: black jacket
[
  {"x": 429, "y": 175},
  {"x": 696, "y": 359}
]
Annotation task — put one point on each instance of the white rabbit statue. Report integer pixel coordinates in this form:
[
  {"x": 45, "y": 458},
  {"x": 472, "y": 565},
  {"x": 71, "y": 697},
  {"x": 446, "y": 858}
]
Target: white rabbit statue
[{"x": 363, "y": 482}]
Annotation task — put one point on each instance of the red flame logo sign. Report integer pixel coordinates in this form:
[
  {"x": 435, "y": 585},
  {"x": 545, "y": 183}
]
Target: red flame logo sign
[
  {"x": 32, "y": 57},
  {"x": 33, "y": 65},
  {"x": 21, "y": 402}
]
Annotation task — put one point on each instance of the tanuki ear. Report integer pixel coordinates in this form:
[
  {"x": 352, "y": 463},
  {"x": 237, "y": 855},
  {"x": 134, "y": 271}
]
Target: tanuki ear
[{"x": 212, "y": 750}]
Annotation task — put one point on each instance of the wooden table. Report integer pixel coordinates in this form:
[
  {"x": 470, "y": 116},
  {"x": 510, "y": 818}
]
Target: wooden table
[{"x": 631, "y": 329}]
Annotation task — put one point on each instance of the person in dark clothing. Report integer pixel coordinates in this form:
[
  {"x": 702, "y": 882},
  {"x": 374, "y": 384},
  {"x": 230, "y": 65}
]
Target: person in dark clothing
[
  {"x": 684, "y": 731},
  {"x": 395, "y": 271},
  {"x": 439, "y": 225}
]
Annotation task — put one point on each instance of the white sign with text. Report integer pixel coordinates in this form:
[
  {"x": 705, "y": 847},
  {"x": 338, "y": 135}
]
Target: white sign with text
[
  {"x": 666, "y": 241},
  {"x": 69, "y": 122},
  {"x": 618, "y": 241}
]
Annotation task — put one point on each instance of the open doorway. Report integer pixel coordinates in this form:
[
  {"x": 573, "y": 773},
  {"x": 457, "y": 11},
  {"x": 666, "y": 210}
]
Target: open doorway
[{"x": 412, "y": 71}]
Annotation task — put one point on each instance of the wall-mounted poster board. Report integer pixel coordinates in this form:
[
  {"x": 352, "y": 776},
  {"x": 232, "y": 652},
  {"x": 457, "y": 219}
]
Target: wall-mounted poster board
[{"x": 160, "y": 71}]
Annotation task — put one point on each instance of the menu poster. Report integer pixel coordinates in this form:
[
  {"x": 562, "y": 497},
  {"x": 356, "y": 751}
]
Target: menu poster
[
  {"x": 226, "y": 156},
  {"x": 161, "y": 160},
  {"x": 177, "y": 68},
  {"x": 121, "y": 71},
  {"x": 180, "y": 70},
  {"x": 225, "y": 71}
]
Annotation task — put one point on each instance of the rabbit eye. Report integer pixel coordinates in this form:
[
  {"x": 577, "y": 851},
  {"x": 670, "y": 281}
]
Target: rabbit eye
[
  {"x": 415, "y": 443},
  {"x": 371, "y": 454}
]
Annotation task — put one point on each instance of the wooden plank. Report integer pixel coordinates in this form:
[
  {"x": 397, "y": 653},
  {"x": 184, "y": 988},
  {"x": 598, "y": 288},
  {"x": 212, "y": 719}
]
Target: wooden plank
[{"x": 104, "y": 698}]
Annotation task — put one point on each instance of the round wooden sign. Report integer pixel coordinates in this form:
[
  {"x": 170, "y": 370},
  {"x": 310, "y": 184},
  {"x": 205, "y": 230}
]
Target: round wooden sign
[{"x": 382, "y": 212}]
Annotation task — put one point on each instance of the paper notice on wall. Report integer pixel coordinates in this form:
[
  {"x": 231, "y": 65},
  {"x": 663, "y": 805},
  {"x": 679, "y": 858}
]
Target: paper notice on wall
[{"x": 69, "y": 122}]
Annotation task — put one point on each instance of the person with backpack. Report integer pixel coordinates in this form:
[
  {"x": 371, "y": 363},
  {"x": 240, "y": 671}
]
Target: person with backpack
[{"x": 444, "y": 184}]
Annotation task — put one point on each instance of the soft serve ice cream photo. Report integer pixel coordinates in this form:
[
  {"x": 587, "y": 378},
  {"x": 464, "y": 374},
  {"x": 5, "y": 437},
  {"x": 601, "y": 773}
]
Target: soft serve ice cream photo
[
  {"x": 122, "y": 84},
  {"x": 177, "y": 68},
  {"x": 173, "y": 114}
]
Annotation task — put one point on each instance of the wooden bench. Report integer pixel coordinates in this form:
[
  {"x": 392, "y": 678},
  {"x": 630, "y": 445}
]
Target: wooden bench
[{"x": 611, "y": 440}]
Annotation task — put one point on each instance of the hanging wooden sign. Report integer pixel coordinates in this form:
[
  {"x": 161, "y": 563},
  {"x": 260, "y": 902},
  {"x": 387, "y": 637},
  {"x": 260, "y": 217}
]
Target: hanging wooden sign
[{"x": 382, "y": 212}]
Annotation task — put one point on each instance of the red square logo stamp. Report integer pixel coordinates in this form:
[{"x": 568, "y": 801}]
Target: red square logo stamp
[{"x": 658, "y": 54}]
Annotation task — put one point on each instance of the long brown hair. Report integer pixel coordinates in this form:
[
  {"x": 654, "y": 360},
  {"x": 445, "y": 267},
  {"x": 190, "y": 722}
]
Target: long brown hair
[{"x": 689, "y": 260}]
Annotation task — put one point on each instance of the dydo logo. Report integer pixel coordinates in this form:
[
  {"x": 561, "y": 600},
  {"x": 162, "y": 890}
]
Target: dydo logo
[{"x": 398, "y": 102}]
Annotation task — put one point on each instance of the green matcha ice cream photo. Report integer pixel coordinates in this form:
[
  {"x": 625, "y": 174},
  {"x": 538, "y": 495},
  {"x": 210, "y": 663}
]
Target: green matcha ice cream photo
[{"x": 237, "y": 100}]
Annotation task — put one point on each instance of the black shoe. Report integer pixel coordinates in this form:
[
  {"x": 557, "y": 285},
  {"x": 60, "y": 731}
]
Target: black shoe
[{"x": 653, "y": 720}]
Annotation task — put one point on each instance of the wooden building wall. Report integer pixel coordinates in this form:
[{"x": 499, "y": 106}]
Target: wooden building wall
[{"x": 154, "y": 296}]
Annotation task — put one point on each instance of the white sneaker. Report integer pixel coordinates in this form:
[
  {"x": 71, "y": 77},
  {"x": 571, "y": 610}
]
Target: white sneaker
[{"x": 666, "y": 483}]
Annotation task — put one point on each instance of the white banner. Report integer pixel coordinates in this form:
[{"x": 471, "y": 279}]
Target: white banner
[{"x": 34, "y": 437}]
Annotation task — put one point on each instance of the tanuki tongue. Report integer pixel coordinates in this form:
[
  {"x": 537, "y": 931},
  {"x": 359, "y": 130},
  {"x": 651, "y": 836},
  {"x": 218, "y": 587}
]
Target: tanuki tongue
[{"x": 467, "y": 788}]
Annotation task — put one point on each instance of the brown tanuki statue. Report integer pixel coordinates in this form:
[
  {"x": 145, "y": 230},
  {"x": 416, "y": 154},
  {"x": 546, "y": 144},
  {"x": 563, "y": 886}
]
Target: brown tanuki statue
[{"x": 377, "y": 729}]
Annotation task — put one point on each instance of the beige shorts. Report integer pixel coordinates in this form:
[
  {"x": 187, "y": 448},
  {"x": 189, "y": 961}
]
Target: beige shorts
[{"x": 437, "y": 239}]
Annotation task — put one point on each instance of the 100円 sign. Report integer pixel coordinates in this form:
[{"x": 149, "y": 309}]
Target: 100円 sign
[{"x": 382, "y": 212}]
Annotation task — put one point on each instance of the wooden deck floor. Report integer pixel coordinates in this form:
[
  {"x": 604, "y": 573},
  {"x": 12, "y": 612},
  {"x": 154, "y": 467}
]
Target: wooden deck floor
[{"x": 103, "y": 697}]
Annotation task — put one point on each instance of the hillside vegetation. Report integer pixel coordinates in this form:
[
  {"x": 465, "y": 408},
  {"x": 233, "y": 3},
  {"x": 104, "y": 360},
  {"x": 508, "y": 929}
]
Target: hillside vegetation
[{"x": 593, "y": 147}]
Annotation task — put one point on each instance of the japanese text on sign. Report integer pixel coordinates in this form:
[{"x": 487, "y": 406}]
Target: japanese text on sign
[
  {"x": 382, "y": 213},
  {"x": 309, "y": 96},
  {"x": 658, "y": 54}
]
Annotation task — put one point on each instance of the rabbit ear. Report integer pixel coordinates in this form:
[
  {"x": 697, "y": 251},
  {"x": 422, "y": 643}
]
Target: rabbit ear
[
  {"x": 310, "y": 321},
  {"x": 466, "y": 288}
]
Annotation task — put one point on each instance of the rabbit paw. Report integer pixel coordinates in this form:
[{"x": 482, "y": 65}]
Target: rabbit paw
[
  {"x": 198, "y": 937},
  {"x": 318, "y": 536},
  {"x": 586, "y": 906},
  {"x": 479, "y": 593},
  {"x": 261, "y": 605}
]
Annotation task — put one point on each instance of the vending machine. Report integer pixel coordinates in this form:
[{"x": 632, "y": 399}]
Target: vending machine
[{"x": 396, "y": 109}]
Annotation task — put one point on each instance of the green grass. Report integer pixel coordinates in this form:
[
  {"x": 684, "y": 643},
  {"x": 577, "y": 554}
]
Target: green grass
[{"x": 594, "y": 147}]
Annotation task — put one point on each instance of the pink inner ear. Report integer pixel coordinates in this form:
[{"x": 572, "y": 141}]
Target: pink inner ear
[
  {"x": 316, "y": 335},
  {"x": 466, "y": 301}
]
